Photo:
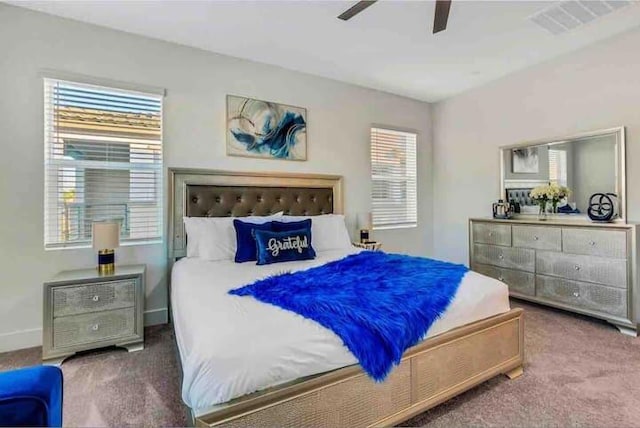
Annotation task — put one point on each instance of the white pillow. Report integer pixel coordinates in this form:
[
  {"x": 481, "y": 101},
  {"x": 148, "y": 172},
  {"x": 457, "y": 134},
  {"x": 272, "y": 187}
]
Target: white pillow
[
  {"x": 214, "y": 238},
  {"x": 328, "y": 231}
]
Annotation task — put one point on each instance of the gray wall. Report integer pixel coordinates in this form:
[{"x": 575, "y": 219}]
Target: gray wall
[
  {"x": 197, "y": 82},
  {"x": 594, "y": 88},
  {"x": 594, "y": 163}
]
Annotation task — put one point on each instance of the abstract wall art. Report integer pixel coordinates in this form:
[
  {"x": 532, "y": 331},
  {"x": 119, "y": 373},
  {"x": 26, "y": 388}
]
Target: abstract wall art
[
  {"x": 264, "y": 129},
  {"x": 525, "y": 160}
]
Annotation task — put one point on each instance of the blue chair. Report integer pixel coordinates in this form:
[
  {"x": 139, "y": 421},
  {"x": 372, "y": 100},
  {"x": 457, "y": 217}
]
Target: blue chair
[{"x": 31, "y": 397}]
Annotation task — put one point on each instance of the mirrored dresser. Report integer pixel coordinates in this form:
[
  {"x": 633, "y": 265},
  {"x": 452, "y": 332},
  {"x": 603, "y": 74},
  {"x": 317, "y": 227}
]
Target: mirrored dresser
[{"x": 576, "y": 265}]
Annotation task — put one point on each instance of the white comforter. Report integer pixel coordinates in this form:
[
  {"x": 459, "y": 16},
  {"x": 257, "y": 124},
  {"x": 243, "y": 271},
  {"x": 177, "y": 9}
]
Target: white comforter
[{"x": 231, "y": 346}]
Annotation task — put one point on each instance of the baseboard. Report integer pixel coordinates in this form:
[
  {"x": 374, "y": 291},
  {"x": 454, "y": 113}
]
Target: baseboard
[
  {"x": 33, "y": 337},
  {"x": 20, "y": 339},
  {"x": 156, "y": 316}
]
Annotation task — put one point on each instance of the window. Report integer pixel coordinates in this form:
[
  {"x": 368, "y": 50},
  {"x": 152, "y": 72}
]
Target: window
[
  {"x": 558, "y": 167},
  {"x": 394, "y": 179},
  {"x": 103, "y": 161}
]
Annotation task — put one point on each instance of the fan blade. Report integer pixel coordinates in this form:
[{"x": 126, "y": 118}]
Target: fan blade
[
  {"x": 442, "y": 15},
  {"x": 356, "y": 9}
]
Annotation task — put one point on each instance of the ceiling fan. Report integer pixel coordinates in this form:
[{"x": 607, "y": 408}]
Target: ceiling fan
[{"x": 439, "y": 22}]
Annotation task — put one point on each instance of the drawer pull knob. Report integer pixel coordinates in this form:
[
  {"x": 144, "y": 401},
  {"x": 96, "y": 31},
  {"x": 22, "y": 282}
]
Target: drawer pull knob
[
  {"x": 95, "y": 298},
  {"x": 576, "y": 294},
  {"x": 535, "y": 238},
  {"x": 500, "y": 256},
  {"x": 592, "y": 243},
  {"x": 576, "y": 267},
  {"x": 490, "y": 233},
  {"x": 95, "y": 327}
]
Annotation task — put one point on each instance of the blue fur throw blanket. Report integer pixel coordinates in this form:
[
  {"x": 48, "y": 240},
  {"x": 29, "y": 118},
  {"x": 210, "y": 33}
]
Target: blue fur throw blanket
[{"x": 379, "y": 304}]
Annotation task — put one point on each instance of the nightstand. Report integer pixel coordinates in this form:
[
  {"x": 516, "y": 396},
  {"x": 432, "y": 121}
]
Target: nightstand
[
  {"x": 85, "y": 310},
  {"x": 371, "y": 246}
]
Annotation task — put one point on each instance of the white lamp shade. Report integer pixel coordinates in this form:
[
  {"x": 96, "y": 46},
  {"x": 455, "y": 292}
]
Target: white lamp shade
[
  {"x": 364, "y": 220},
  {"x": 106, "y": 235}
]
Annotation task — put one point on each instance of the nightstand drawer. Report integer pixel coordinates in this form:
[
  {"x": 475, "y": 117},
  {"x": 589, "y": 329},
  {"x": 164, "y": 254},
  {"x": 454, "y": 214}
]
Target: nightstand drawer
[
  {"x": 608, "y": 300},
  {"x": 98, "y": 296},
  {"x": 94, "y": 327}
]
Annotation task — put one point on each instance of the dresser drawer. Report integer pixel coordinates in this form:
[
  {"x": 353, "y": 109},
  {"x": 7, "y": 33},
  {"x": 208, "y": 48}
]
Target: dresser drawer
[
  {"x": 603, "y": 243},
  {"x": 514, "y": 258},
  {"x": 607, "y": 300},
  {"x": 611, "y": 272},
  {"x": 80, "y": 299},
  {"x": 518, "y": 281},
  {"x": 89, "y": 328},
  {"x": 538, "y": 237},
  {"x": 492, "y": 233}
]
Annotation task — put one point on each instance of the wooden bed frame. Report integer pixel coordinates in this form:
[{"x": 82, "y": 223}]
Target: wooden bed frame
[{"x": 430, "y": 373}]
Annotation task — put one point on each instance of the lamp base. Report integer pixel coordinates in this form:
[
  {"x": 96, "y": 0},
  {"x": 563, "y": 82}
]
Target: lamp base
[
  {"x": 106, "y": 262},
  {"x": 364, "y": 235}
]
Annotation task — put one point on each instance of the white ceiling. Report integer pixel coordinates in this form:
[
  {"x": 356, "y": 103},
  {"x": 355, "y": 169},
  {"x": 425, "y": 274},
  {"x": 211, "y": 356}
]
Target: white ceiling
[{"x": 388, "y": 47}]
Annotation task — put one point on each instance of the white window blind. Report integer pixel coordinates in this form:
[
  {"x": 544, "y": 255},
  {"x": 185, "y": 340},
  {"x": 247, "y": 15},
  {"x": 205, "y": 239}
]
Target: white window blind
[
  {"x": 558, "y": 167},
  {"x": 394, "y": 179},
  {"x": 103, "y": 161}
]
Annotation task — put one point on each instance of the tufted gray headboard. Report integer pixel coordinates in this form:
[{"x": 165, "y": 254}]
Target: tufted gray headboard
[
  {"x": 520, "y": 195},
  {"x": 202, "y": 193},
  {"x": 235, "y": 201}
]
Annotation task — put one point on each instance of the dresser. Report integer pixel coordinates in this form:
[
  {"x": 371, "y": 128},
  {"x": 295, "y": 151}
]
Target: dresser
[
  {"x": 84, "y": 310},
  {"x": 584, "y": 267}
]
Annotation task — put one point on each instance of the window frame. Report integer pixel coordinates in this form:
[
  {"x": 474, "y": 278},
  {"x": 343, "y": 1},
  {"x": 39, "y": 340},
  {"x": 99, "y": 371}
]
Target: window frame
[
  {"x": 410, "y": 219},
  {"x": 53, "y": 238}
]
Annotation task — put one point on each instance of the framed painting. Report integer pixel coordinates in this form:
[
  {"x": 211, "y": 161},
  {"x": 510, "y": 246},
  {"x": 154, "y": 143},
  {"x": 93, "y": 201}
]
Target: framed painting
[
  {"x": 525, "y": 160},
  {"x": 264, "y": 129}
]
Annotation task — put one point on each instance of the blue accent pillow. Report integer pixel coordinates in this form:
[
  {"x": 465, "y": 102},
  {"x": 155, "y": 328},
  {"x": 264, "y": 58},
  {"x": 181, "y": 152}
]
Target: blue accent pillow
[
  {"x": 281, "y": 226},
  {"x": 277, "y": 247},
  {"x": 246, "y": 243}
]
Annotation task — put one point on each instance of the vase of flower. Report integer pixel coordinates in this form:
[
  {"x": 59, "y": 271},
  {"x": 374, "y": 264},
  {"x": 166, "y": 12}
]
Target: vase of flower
[
  {"x": 542, "y": 214},
  {"x": 549, "y": 194}
]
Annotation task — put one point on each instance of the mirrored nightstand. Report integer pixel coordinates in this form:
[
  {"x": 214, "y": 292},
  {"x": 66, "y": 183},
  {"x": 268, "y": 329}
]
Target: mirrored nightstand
[
  {"x": 85, "y": 310},
  {"x": 371, "y": 246}
]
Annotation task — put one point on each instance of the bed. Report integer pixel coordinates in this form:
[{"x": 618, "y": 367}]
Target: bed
[{"x": 246, "y": 363}]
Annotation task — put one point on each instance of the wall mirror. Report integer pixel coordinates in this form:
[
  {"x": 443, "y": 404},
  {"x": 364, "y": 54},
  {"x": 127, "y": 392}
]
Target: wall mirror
[{"x": 587, "y": 163}]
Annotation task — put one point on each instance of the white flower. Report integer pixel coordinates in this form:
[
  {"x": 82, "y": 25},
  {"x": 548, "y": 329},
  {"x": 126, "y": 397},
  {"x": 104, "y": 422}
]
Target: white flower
[{"x": 551, "y": 191}]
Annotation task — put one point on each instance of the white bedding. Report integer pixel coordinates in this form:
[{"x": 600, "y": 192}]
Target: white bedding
[{"x": 231, "y": 346}]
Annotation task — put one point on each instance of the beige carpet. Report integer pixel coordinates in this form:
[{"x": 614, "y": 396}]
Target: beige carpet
[{"x": 579, "y": 372}]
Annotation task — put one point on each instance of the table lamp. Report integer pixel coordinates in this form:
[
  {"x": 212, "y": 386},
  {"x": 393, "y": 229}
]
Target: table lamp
[
  {"x": 106, "y": 238},
  {"x": 364, "y": 224}
]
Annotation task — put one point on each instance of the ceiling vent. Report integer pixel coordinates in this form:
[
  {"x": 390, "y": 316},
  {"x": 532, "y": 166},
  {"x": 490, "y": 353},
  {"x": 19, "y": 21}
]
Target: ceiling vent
[{"x": 568, "y": 15}]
